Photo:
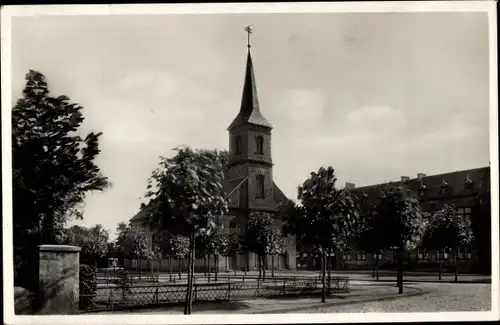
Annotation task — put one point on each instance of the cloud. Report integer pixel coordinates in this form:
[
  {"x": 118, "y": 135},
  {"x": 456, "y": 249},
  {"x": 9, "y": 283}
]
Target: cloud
[{"x": 303, "y": 104}]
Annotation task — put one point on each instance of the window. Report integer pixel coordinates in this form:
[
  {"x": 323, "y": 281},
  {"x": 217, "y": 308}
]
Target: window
[
  {"x": 259, "y": 140},
  {"x": 260, "y": 186},
  {"x": 464, "y": 253},
  {"x": 374, "y": 256},
  {"x": 442, "y": 256},
  {"x": 346, "y": 256},
  {"x": 423, "y": 254},
  {"x": 361, "y": 256},
  {"x": 237, "y": 144},
  {"x": 466, "y": 213}
]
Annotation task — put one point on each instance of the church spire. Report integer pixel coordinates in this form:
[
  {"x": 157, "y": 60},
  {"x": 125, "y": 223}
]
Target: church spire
[{"x": 249, "y": 110}]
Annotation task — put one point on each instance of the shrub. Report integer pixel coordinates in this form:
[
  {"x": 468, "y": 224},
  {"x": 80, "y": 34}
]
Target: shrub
[{"x": 88, "y": 286}]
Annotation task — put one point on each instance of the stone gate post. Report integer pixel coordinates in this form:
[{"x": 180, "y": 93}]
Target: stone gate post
[{"x": 58, "y": 279}]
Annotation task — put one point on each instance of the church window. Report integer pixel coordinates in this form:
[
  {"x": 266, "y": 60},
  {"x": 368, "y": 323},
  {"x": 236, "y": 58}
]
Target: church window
[
  {"x": 260, "y": 186},
  {"x": 238, "y": 144},
  {"x": 259, "y": 145}
]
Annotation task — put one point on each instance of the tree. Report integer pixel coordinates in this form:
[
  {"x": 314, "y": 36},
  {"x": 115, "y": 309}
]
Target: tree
[
  {"x": 365, "y": 236},
  {"x": 121, "y": 241},
  {"x": 137, "y": 246},
  {"x": 186, "y": 195},
  {"x": 174, "y": 246},
  {"x": 398, "y": 216},
  {"x": 93, "y": 241},
  {"x": 327, "y": 214},
  {"x": 214, "y": 244},
  {"x": 53, "y": 168},
  {"x": 446, "y": 231},
  {"x": 263, "y": 237}
]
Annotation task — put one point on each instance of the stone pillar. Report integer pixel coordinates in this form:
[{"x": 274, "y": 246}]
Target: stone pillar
[{"x": 58, "y": 279}]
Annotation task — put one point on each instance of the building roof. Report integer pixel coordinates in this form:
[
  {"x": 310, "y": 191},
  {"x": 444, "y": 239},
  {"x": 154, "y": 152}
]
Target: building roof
[
  {"x": 250, "y": 110},
  {"x": 464, "y": 182},
  {"x": 231, "y": 190}
]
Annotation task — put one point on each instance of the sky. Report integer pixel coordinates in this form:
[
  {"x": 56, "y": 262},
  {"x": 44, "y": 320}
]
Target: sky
[{"x": 375, "y": 95}]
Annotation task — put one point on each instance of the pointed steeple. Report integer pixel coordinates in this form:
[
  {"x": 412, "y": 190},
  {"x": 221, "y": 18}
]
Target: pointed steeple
[{"x": 249, "y": 110}]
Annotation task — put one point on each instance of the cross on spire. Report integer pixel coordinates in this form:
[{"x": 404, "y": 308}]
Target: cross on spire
[{"x": 248, "y": 29}]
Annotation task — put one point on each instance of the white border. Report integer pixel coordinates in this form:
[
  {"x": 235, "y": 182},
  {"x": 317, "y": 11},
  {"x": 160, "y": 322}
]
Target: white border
[{"x": 442, "y": 6}]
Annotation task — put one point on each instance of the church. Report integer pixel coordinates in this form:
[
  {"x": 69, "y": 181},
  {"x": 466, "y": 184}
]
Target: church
[{"x": 248, "y": 181}]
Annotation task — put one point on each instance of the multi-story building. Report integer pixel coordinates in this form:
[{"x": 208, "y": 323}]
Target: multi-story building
[{"x": 468, "y": 190}]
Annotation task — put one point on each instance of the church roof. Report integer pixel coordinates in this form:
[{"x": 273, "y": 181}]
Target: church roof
[
  {"x": 249, "y": 110},
  {"x": 231, "y": 190}
]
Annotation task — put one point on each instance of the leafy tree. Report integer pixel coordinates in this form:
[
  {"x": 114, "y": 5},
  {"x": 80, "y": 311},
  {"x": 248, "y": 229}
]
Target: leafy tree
[
  {"x": 398, "y": 216},
  {"x": 120, "y": 243},
  {"x": 263, "y": 237},
  {"x": 174, "y": 246},
  {"x": 446, "y": 231},
  {"x": 214, "y": 244},
  {"x": 327, "y": 215},
  {"x": 365, "y": 236},
  {"x": 53, "y": 167},
  {"x": 93, "y": 242},
  {"x": 186, "y": 195},
  {"x": 137, "y": 246}
]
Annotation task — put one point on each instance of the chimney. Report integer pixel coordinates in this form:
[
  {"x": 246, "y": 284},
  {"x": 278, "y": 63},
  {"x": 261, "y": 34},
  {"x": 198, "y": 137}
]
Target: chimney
[
  {"x": 420, "y": 176},
  {"x": 350, "y": 186},
  {"x": 404, "y": 179}
]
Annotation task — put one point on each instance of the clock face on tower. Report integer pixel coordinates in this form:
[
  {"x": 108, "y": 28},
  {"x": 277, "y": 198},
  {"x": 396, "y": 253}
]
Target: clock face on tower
[{"x": 235, "y": 172}]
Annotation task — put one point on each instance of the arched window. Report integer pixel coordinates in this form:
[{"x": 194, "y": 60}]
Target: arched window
[
  {"x": 259, "y": 140},
  {"x": 260, "y": 186},
  {"x": 237, "y": 144}
]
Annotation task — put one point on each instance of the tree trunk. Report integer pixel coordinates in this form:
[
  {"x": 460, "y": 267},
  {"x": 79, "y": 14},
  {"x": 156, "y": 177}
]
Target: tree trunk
[
  {"x": 216, "y": 264},
  {"x": 247, "y": 262},
  {"x": 264, "y": 265},
  {"x": 329, "y": 267},
  {"x": 189, "y": 294},
  {"x": 209, "y": 270},
  {"x": 374, "y": 257},
  {"x": 272, "y": 266},
  {"x": 323, "y": 278},
  {"x": 204, "y": 265},
  {"x": 259, "y": 262},
  {"x": 170, "y": 264},
  {"x": 455, "y": 263},
  {"x": 439, "y": 264},
  {"x": 400, "y": 269},
  {"x": 376, "y": 265},
  {"x": 180, "y": 267}
]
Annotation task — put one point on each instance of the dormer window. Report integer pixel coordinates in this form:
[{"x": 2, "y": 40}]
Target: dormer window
[
  {"x": 444, "y": 186},
  {"x": 237, "y": 144},
  {"x": 422, "y": 188},
  {"x": 469, "y": 184},
  {"x": 260, "y": 186},
  {"x": 259, "y": 141}
]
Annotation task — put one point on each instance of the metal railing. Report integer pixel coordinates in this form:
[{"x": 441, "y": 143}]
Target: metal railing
[{"x": 116, "y": 296}]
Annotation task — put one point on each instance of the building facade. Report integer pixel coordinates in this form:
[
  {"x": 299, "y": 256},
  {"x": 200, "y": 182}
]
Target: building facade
[
  {"x": 468, "y": 190},
  {"x": 248, "y": 180}
]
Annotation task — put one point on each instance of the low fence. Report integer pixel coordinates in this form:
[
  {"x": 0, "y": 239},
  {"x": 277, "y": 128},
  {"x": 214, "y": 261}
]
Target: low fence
[{"x": 116, "y": 296}]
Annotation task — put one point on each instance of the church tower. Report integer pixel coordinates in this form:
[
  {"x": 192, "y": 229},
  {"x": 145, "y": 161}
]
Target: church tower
[{"x": 250, "y": 150}]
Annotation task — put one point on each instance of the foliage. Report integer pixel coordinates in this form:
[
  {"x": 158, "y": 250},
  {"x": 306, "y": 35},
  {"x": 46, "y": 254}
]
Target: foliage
[
  {"x": 399, "y": 217},
  {"x": 136, "y": 244},
  {"x": 214, "y": 243},
  {"x": 447, "y": 230},
  {"x": 366, "y": 237},
  {"x": 173, "y": 245},
  {"x": 186, "y": 195},
  {"x": 263, "y": 236},
  {"x": 327, "y": 213},
  {"x": 121, "y": 239},
  {"x": 88, "y": 285},
  {"x": 93, "y": 241},
  {"x": 53, "y": 168},
  {"x": 124, "y": 283}
]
